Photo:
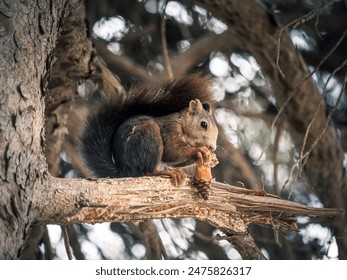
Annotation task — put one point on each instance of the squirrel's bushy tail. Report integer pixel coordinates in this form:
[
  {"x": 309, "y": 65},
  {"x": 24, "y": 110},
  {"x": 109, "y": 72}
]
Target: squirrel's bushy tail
[
  {"x": 96, "y": 141},
  {"x": 142, "y": 99}
]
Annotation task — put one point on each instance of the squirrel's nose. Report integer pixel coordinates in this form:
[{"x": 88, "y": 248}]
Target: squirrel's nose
[{"x": 213, "y": 147}]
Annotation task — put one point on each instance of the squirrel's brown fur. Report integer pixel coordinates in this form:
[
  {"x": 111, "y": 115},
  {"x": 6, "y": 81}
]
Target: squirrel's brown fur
[{"x": 151, "y": 126}]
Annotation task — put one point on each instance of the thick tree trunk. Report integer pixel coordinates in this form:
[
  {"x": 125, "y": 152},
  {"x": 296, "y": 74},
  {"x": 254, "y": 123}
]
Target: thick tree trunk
[{"x": 28, "y": 35}]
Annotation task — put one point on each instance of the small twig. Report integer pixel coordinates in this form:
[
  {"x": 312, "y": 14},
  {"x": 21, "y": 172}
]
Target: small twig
[
  {"x": 332, "y": 111},
  {"x": 275, "y": 230},
  {"x": 66, "y": 241},
  {"x": 277, "y": 139},
  {"x": 324, "y": 92},
  {"x": 316, "y": 26},
  {"x": 295, "y": 23},
  {"x": 294, "y": 180}
]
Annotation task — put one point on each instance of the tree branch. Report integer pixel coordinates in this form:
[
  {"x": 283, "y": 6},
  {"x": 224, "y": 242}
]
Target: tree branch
[
  {"x": 119, "y": 62},
  {"x": 229, "y": 208},
  {"x": 202, "y": 48}
]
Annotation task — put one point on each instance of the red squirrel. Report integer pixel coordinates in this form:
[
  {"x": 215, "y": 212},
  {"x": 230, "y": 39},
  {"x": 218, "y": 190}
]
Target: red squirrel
[{"x": 149, "y": 128}]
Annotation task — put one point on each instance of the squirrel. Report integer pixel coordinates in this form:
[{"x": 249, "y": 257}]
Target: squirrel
[{"x": 150, "y": 128}]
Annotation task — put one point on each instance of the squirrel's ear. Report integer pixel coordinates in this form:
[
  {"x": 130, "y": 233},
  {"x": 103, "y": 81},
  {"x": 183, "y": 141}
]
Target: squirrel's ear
[
  {"x": 207, "y": 107},
  {"x": 195, "y": 106}
]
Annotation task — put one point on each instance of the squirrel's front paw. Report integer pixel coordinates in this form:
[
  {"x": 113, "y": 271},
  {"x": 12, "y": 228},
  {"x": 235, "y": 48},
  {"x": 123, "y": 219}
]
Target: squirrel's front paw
[
  {"x": 204, "y": 155},
  {"x": 178, "y": 176}
]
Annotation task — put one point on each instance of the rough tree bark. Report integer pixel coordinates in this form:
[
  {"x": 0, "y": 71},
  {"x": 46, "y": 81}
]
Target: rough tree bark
[
  {"x": 26, "y": 47},
  {"x": 71, "y": 63}
]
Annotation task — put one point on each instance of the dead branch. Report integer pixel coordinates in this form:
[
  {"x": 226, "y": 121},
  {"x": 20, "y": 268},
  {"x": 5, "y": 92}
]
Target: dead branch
[{"x": 229, "y": 208}]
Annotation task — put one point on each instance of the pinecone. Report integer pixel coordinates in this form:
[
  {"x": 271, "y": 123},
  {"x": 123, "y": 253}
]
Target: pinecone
[
  {"x": 202, "y": 178},
  {"x": 203, "y": 187}
]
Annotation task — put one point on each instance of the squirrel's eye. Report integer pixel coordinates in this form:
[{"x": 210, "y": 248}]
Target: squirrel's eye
[{"x": 203, "y": 124}]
